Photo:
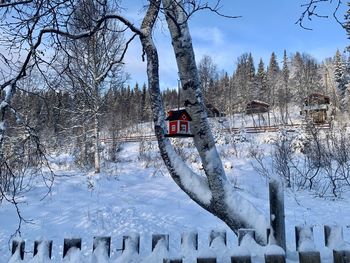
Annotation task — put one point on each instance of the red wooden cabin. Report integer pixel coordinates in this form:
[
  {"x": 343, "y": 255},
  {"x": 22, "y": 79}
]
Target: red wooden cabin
[{"x": 179, "y": 123}]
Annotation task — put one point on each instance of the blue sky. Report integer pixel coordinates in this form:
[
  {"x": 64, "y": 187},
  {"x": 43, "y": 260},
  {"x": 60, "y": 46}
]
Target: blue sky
[{"x": 265, "y": 27}]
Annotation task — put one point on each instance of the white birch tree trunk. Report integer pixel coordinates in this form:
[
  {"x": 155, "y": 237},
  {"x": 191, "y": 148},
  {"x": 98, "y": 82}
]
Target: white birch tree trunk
[
  {"x": 97, "y": 156},
  {"x": 217, "y": 194}
]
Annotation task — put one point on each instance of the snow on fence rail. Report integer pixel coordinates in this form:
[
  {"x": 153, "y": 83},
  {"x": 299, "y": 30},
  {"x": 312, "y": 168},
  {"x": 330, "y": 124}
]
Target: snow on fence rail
[
  {"x": 246, "y": 251},
  {"x": 275, "y": 128},
  {"x": 130, "y": 138},
  {"x": 253, "y": 129}
]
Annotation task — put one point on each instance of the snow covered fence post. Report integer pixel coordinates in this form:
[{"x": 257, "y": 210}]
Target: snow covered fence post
[
  {"x": 245, "y": 232},
  {"x": 18, "y": 247},
  {"x": 333, "y": 236},
  {"x": 206, "y": 260},
  {"x": 104, "y": 243},
  {"x": 242, "y": 255},
  {"x": 131, "y": 242},
  {"x": 157, "y": 238},
  {"x": 274, "y": 253},
  {"x": 341, "y": 256},
  {"x": 172, "y": 260},
  {"x": 275, "y": 258},
  {"x": 334, "y": 240},
  {"x": 241, "y": 259},
  {"x": 217, "y": 234},
  {"x": 277, "y": 221},
  {"x": 40, "y": 245},
  {"x": 71, "y": 243},
  {"x": 189, "y": 241},
  {"x": 304, "y": 239}
]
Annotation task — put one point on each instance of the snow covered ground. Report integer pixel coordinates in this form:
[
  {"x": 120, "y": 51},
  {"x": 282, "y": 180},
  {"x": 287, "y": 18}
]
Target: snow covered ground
[{"x": 137, "y": 197}]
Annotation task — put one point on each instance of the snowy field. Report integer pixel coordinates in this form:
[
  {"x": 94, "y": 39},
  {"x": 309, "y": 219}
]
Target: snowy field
[{"x": 138, "y": 197}]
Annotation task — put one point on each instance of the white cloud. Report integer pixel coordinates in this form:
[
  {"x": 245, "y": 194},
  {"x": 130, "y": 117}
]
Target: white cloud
[
  {"x": 167, "y": 65},
  {"x": 208, "y": 35}
]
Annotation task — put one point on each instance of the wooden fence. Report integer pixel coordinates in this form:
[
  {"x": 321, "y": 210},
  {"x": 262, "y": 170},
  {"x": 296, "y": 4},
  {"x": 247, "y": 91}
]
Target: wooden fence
[
  {"x": 130, "y": 138},
  {"x": 249, "y": 129},
  {"x": 189, "y": 241},
  {"x": 275, "y": 128}
]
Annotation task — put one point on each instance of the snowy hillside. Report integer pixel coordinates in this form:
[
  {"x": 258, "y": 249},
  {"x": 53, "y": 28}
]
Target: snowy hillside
[{"x": 137, "y": 195}]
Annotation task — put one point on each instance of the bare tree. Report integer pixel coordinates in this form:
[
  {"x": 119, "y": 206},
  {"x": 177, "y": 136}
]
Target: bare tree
[
  {"x": 208, "y": 75},
  {"x": 30, "y": 41},
  {"x": 213, "y": 192},
  {"x": 92, "y": 65}
]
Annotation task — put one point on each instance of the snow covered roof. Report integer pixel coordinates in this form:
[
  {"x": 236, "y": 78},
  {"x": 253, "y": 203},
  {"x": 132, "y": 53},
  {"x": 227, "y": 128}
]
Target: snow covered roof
[
  {"x": 258, "y": 102},
  {"x": 317, "y": 98},
  {"x": 177, "y": 114}
]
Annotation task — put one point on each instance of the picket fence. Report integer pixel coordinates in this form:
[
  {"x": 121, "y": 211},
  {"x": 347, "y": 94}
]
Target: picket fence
[
  {"x": 333, "y": 236},
  {"x": 241, "y": 253}
]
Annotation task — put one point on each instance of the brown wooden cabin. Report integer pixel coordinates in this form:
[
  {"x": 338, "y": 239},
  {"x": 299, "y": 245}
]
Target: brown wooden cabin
[
  {"x": 316, "y": 107},
  {"x": 257, "y": 106},
  {"x": 212, "y": 111}
]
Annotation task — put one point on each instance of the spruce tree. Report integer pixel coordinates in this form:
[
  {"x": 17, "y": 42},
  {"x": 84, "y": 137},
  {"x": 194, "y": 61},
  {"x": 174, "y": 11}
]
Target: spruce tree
[
  {"x": 346, "y": 23},
  {"x": 244, "y": 80},
  {"x": 284, "y": 91},
  {"x": 340, "y": 78},
  {"x": 251, "y": 78},
  {"x": 261, "y": 82},
  {"x": 272, "y": 78},
  {"x": 297, "y": 78}
]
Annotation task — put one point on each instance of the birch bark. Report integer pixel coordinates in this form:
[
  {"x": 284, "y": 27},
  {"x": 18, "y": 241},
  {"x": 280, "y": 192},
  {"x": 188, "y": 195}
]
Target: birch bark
[{"x": 225, "y": 202}]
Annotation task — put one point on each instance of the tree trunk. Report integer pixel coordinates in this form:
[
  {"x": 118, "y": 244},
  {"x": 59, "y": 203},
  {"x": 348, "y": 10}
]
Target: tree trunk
[
  {"x": 213, "y": 192},
  {"x": 222, "y": 201},
  {"x": 97, "y": 143}
]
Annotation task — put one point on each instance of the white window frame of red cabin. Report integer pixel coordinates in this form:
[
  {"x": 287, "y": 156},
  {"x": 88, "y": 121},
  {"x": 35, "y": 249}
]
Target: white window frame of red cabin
[
  {"x": 186, "y": 123},
  {"x": 173, "y": 128},
  {"x": 183, "y": 125}
]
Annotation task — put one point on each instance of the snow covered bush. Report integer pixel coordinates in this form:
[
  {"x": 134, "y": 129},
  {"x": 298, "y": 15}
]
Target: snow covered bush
[
  {"x": 260, "y": 160},
  {"x": 149, "y": 155},
  {"x": 284, "y": 158},
  {"x": 310, "y": 158},
  {"x": 82, "y": 151},
  {"x": 332, "y": 158}
]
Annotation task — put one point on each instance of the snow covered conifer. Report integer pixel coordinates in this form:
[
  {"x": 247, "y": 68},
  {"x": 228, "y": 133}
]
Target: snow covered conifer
[
  {"x": 273, "y": 71},
  {"x": 261, "y": 81},
  {"x": 347, "y": 23},
  {"x": 340, "y": 78},
  {"x": 284, "y": 92}
]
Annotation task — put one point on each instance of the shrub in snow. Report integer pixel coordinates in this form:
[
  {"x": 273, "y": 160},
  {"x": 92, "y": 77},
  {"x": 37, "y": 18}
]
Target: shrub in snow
[
  {"x": 149, "y": 154},
  {"x": 307, "y": 158}
]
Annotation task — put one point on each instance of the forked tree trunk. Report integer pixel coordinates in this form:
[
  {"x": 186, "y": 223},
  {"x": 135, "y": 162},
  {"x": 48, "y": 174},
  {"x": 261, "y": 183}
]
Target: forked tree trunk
[
  {"x": 224, "y": 201},
  {"x": 213, "y": 192}
]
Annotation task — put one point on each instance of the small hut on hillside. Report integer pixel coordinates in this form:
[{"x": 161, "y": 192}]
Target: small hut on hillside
[
  {"x": 212, "y": 111},
  {"x": 316, "y": 106},
  {"x": 258, "y": 107}
]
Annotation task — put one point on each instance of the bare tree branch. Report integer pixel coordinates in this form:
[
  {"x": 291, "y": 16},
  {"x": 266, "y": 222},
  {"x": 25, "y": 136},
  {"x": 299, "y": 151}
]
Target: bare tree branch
[
  {"x": 8, "y": 3},
  {"x": 310, "y": 11}
]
